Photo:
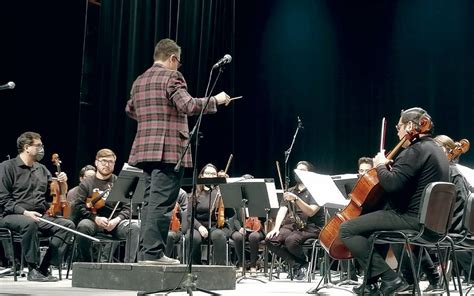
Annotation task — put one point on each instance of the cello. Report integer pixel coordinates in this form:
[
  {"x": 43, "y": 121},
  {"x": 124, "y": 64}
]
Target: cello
[
  {"x": 60, "y": 206},
  {"x": 364, "y": 198}
]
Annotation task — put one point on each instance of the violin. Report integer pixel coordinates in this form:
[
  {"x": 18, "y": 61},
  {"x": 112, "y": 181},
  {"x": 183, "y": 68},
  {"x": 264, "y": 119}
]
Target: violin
[
  {"x": 60, "y": 206},
  {"x": 221, "y": 207},
  {"x": 461, "y": 147},
  {"x": 97, "y": 200},
  {"x": 365, "y": 197},
  {"x": 253, "y": 223},
  {"x": 175, "y": 224}
]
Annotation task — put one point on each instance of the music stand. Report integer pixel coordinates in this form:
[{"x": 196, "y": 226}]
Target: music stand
[
  {"x": 130, "y": 185},
  {"x": 326, "y": 194},
  {"x": 254, "y": 197},
  {"x": 210, "y": 182}
]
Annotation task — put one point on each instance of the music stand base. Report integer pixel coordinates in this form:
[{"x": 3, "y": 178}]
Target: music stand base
[
  {"x": 189, "y": 285},
  {"x": 316, "y": 290},
  {"x": 244, "y": 277}
]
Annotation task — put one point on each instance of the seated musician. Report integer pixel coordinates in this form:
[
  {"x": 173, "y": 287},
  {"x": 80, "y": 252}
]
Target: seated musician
[
  {"x": 91, "y": 220},
  {"x": 23, "y": 186},
  {"x": 421, "y": 163},
  {"x": 365, "y": 165},
  {"x": 174, "y": 235},
  {"x": 253, "y": 231},
  {"x": 291, "y": 230},
  {"x": 462, "y": 193},
  {"x": 218, "y": 233},
  {"x": 85, "y": 172}
]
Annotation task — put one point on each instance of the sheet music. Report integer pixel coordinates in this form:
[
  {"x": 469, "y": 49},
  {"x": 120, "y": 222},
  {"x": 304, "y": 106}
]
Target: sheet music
[
  {"x": 468, "y": 173},
  {"x": 323, "y": 189}
]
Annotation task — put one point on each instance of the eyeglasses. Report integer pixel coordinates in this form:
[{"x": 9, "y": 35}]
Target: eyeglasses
[
  {"x": 209, "y": 174},
  {"x": 38, "y": 145},
  {"x": 179, "y": 62},
  {"x": 362, "y": 171},
  {"x": 106, "y": 162},
  {"x": 399, "y": 126}
]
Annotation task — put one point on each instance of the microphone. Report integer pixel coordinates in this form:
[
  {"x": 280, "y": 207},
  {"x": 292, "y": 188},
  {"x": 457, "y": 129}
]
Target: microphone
[
  {"x": 300, "y": 123},
  {"x": 225, "y": 60},
  {"x": 9, "y": 85}
]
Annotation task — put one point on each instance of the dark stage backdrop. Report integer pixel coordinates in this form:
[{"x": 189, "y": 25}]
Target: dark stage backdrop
[{"x": 338, "y": 65}]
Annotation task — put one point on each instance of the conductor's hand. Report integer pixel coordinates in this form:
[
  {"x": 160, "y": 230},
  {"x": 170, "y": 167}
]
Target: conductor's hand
[
  {"x": 32, "y": 214},
  {"x": 273, "y": 233},
  {"x": 203, "y": 231},
  {"x": 222, "y": 98}
]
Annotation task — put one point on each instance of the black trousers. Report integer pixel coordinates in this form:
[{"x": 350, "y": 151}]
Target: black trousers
[
  {"x": 161, "y": 192},
  {"x": 289, "y": 243},
  {"x": 29, "y": 231},
  {"x": 254, "y": 239},
  {"x": 355, "y": 235},
  {"x": 219, "y": 240}
]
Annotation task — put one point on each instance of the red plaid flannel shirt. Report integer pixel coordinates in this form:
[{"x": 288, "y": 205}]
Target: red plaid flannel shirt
[{"x": 160, "y": 103}]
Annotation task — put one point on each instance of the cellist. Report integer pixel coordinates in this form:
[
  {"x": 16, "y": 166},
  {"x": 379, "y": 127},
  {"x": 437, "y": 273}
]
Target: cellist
[
  {"x": 420, "y": 163},
  {"x": 23, "y": 185}
]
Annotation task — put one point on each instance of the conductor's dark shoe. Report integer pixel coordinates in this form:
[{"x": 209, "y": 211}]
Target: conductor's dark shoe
[
  {"x": 35, "y": 276},
  {"x": 370, "y": 289},
  {"x": 161, "y": 261},
  {"x": 390, "y": 287}
]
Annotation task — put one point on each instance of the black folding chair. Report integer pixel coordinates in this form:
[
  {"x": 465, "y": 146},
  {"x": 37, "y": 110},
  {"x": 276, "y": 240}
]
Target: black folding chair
[{"x": 436, "y": 212}]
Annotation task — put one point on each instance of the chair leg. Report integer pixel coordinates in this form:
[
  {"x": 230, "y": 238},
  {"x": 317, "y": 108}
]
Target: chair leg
[
  {"x": 411, "y": 256},
  {"x": 443, "y": 269},
  {"x": 71, "y": 258},
  {"x": 367, "y": 266},
  {"x": 270, "y": 275},
  {"x": 456, "y": 266}
]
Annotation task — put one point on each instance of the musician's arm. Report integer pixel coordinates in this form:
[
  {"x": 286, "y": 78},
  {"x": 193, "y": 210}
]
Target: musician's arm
[
  {"x": 280, "y": 217},
  {"x": 308, "y": 209},
  {"x": 7, "y": 202},
  {"x": 80, "y": 207}
]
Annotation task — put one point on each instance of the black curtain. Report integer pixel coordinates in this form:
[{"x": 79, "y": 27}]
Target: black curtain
[{"x": 338, "y": 65}]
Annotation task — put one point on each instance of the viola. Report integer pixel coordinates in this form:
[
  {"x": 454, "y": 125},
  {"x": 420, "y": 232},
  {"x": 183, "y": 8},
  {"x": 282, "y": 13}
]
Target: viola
[
  {"x": 175, "y": 224},
  {"x": 364, "y": 198},
  {"x": 97, "y": 200},
  {"x": 461, "y": 147},
  {"x": 60, "y": 206}
]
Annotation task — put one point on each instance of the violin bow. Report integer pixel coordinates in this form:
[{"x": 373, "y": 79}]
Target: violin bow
[
  {"x": 383, "y": 131},
  {"x": 228, "y": 163}
]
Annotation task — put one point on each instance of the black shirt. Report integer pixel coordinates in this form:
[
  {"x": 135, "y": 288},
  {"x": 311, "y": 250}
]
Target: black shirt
[
  {"x": 415, "y": 167},
  {"x": 86, "y": 189},
  {"x": 316, "y": 220},
  {"x": 23, "y": 187}
]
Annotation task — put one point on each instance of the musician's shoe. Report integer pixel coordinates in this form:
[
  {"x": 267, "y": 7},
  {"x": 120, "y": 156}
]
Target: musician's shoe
[
  {"x": 35, "y": 275},
  {"x": 161, "y": 261},
  {"x": 390, "y": 287},
  {"x": 301, "y": 273},
  {"x": 370, "y": 289},
  {"x": 435, "y": 287}
]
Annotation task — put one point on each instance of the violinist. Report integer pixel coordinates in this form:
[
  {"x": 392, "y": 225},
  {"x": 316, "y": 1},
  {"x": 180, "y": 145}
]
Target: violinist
[
  {"x": 291, "y": 230},
  {"x": 174, "y": 235},
  {"x": 217, "y": 235},
  {"x": 365, "y": 165},
  {"x": 98, "y": 219},
  {"x": 85, "y": 172},
  {"x": 462, "y": 193},
  {"x": 254, "y": 234},
  {"x": 23, "y": 186},
  {"x": 420, "y": 163}
]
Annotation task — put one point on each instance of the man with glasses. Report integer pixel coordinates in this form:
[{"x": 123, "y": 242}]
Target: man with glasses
[
  {"x": 419, "y": 164},
  {"x": 23, "y": 187},
  {"x": 91, "y": 223},
  {"x": 160, "y": 103}
]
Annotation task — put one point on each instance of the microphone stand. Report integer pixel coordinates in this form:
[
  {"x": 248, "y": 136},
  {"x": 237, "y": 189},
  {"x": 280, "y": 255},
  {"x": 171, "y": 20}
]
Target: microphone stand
[
  {"x": 287, "y": 154},
  {"x": 189, "y": 284}
]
